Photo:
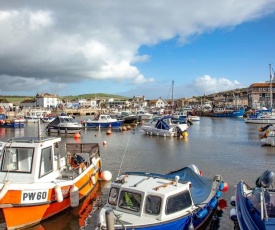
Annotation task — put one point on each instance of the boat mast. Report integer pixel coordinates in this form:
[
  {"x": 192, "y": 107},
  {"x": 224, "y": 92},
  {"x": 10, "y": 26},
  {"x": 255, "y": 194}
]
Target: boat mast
[
  {"x": 270, "y": 90},
  {"x": 172, "y": 96}
]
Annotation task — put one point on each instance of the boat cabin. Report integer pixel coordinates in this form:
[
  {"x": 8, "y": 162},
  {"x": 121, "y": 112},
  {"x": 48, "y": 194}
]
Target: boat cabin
[
  {"x": 150, "y": 197},
  {"x": 30, "y": 158}
]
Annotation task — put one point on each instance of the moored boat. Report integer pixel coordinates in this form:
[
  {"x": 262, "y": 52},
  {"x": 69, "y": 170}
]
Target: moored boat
[
  {"x": 228, "y": 113},
  {"x": 37, "y": 182},
  {"x": 103, "y": 121},
  {"x": 261, "y": 117},
  {"x": 165, "y": 127},
  {"x": 64, "y": 124},
  {"x": 182, "y": 199},
  {"x": 254, "y": 208}
]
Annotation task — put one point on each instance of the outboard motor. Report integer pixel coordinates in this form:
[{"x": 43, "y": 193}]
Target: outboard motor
[{"x": 266, "y": 179}]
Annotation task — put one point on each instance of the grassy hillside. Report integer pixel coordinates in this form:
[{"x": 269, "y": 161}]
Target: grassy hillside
[{"x": 17, "y": 99}]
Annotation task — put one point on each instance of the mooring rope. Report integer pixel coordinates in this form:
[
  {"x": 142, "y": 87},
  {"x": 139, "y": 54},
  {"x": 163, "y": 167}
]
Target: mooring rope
[{"x": 123, "y": 156}]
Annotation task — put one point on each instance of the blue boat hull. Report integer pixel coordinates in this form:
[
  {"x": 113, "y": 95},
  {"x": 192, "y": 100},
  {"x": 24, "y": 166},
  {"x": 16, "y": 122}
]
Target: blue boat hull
[
  {"x": 116, "y": 124},
  {"x": 13, "y": 125},
  {"x": 249, "y": 218},
  {"x": 229, "y": 114}
]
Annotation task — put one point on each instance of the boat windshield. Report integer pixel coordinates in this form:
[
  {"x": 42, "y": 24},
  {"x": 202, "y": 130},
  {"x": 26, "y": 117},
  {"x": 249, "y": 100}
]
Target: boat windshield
[
  {"x": 269, "y": 199},
  {"x": 129, "y": 200},
  {"x": 67, "y": 120},
  {"x": 17, "y": 160}
]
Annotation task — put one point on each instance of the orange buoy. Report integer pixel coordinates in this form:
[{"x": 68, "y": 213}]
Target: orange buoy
[
  {"x": 109, "y": 132},
  {"x": 104, "y": 142},
  {"x": 77, "y": 135},
  {"x": 124, "y": 128},
  {"x": 128, "y": 127}
]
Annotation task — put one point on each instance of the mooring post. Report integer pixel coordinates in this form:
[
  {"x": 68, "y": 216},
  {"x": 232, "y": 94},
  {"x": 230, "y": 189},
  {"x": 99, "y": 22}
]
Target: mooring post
[{"x": 110, "y": 221}]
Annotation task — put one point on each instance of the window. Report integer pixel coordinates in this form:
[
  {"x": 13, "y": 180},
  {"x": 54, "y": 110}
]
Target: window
[
  {"x": 17, "y": 160},
  {"x": 46, "y": 163},
  {"x": 178, "y": 202},
  {"x": 152, "y": 205},
  {"x": 130, "y": 201},
  {"x": 113, "y": 195}
]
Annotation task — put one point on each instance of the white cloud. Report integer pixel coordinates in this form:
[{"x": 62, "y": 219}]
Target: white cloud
[
  {"x": 207, "y": 85},
  {"x": 70, "y": 41}
]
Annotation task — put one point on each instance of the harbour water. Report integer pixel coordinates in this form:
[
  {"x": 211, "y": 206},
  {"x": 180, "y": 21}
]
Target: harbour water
[{"x": 224, "y": 146}]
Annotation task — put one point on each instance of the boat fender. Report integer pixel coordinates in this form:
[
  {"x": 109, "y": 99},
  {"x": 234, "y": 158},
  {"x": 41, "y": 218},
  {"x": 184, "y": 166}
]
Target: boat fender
[
  {"x": 4, "y": 189},
  {"x": 218, "y": 194},
  {"x": 213, "y": 203},
  {"x": 202, "y": 213},
  {"x": 93, "y": 179},
  {"x": 223, "y": 186},
  {"x": 105, "y": 175},
  {"x": 58, "y": 193},
  {"x": 233, "y": 214},
  {"x": 74, "y": 196}
]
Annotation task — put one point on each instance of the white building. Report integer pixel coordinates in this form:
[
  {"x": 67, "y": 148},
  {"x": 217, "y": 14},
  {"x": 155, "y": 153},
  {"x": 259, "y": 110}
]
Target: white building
[
  {"x": 160, "y": 103},
  {"x": 47, "y": 100},
  {"x": 42, "y": 100}
]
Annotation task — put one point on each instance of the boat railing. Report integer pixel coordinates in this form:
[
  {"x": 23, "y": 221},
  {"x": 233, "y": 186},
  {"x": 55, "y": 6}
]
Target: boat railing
[{"x": 267, "y": 199}]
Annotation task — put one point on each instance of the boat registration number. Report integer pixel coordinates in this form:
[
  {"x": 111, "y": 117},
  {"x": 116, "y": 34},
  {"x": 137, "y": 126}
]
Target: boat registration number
[{"x": 34, "y": 196}]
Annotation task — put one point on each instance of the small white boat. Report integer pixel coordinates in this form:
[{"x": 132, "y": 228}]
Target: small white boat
[
  {"x": 261, "y": 117},
  {"x": 164, "y": 127},
  {"x": 144, "y": 116},
  {"x": 34, "y": 115},
  {"x": 37, "y": 181},
  {"x": 64, "y": 124},
  {"x": 182, "y": 199},
  {"x": 194, "y": 118}
]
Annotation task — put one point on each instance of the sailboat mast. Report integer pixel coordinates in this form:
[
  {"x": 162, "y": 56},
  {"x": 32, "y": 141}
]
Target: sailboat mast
[
  {"x": 270, "y": 90},
  {"x": 172, "y": 96}
]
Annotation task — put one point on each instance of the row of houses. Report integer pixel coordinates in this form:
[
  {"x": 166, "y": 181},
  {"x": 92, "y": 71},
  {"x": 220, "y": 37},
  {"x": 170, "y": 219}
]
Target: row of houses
[{"x": 256, "y": 95}]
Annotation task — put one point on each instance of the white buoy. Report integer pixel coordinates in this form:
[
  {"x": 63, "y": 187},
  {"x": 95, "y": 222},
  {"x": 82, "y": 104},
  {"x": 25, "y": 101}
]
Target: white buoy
[
  {"x": 74, "y": 196},
  {"x": 233, "y": 214},
  {"x": 4, "y": 189},
  {"x": 106, "y": 175},
  {"x": 58, "y": 193}
]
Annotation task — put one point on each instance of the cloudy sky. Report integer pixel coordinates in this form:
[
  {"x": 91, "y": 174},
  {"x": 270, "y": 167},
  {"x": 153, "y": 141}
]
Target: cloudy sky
[{"x": 132, "y": 48}]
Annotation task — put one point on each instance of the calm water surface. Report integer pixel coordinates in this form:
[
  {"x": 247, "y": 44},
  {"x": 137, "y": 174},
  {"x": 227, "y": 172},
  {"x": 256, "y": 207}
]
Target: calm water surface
[{"x": 224, "y": 146}]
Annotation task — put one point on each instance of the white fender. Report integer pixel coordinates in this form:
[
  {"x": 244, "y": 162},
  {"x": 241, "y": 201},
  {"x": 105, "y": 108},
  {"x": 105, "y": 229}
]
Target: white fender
[
  {"x": 93, "y": 179},
  {"x": 233, "y": 214},
  {"x": 58, "y": 193},
  {"x": 4, "y": 189},
  {"x": 106, "y": 175},
  {"x": 74, "y": 196}
]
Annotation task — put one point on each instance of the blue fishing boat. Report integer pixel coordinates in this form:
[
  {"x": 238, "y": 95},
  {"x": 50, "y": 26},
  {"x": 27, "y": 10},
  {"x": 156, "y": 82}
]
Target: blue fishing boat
[
  {"x": 103, "y": 121},
  {"x": 182, "y": 199},
  {"x": 6, "y": 123},
  {"x": 229, "y": 113},
  {"x": 254, "y": 208}
]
